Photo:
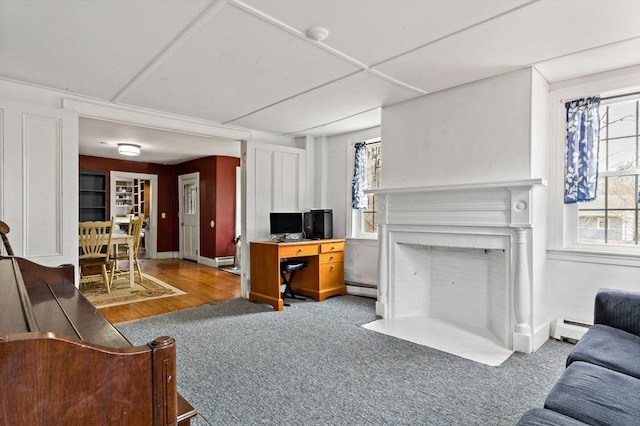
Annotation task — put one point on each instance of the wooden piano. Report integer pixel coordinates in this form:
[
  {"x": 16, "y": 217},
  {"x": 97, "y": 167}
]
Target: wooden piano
[{"x": 62, "y": 362}]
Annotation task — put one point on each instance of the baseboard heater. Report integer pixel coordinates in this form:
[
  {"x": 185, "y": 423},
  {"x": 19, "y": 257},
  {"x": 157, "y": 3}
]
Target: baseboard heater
[{"x": 571, "y": 330}]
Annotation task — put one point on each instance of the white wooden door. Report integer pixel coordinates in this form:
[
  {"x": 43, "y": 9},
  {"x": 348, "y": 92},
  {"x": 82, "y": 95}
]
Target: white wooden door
[
  {"x": 189, "y": 189},
  {"x": 39, "y": 181}
]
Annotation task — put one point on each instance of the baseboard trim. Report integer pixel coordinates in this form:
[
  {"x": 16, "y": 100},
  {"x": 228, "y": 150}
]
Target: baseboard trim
[{"x": 167, "y": 255}]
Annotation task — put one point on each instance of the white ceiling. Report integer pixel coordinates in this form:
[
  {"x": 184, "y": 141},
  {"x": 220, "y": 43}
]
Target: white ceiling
[{"x": 249, "y": 63}]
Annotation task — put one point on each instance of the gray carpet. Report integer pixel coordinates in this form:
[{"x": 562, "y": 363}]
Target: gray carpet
[{"x": 242, "y": 363}]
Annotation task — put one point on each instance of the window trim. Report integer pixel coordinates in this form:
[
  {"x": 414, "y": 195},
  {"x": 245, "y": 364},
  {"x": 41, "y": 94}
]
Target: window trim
[
  {"x": 356, "y": 215},
  {"x": 563, "y": 218},
  {"x": 574, "y": 210}
]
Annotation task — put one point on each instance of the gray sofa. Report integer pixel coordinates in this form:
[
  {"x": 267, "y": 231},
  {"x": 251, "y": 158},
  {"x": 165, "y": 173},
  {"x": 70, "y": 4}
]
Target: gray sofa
[{"x": 601, "y": 384}]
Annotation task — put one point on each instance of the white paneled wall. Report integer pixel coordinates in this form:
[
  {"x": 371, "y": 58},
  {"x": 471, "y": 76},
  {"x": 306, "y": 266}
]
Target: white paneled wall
[{"x": 39, "y": 199}]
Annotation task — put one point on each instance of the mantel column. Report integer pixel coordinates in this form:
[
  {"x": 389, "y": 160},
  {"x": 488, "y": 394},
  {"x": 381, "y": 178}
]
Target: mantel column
[{"x": 522, "y": 336}]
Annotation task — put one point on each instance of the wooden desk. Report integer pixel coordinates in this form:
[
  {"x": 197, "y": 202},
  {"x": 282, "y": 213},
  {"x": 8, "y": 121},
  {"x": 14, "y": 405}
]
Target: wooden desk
[{"x": 323, "y": 277}]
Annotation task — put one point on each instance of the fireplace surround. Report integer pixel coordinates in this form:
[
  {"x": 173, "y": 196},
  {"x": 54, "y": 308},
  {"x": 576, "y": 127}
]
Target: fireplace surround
[{"x": 468, "y": 255}]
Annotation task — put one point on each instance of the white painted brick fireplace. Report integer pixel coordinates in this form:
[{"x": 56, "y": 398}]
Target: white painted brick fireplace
[{"x": 470, "y": 257}]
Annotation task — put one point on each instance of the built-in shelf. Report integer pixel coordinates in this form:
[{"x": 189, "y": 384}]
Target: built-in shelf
[{"x": 92, "y": 195}]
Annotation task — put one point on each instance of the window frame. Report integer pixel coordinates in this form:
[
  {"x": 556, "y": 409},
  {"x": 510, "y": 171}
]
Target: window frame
[
  {"x": 357, "y": 215},
  {"x": 572, "y": 211}
]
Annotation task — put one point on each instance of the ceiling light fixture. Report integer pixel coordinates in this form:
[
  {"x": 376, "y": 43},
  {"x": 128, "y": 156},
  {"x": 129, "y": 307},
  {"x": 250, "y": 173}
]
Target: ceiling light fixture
[
  {"x": 128, "y": 149},
  {"x": 317, "y": 33}
]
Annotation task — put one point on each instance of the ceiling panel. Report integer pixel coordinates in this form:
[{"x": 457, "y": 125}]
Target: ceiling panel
[
  {"x": 100, "y": 138},
  {"x": 365, "y": 120},
  {"x": 90, "y": 47},
  {"x": 372, "y": 31},
  {"x": 218, "y": 75},
  {"x": 537, "y": 33},
  {"x": 618, "y": 55},
  {"x": 349, "y": 96}
]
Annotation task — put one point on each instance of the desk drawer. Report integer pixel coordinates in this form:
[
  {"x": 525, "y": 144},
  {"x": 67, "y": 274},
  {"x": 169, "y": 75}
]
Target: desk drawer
[
  {"x": 298, "y": 250},
  {"x": 331, "y": 275},
  {"x": 331, "y": 247},
  {"x": 332, "y": 257}
]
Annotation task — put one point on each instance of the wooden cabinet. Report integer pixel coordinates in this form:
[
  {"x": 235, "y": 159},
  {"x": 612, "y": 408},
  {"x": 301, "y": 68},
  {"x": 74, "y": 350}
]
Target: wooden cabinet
[
  {"x": 323, "y": 276},
  {"x": 92, "y": 196}
]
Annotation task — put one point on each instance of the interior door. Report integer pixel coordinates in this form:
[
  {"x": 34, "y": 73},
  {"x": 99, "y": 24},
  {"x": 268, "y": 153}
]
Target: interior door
[{"x": 189, "y": 215}]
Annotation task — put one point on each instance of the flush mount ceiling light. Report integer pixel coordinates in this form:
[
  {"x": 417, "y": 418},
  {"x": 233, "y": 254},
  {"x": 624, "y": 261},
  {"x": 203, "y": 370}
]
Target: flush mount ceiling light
[
  {"x": 128, "y": 149},
  {"x": 317, "y": 33}
]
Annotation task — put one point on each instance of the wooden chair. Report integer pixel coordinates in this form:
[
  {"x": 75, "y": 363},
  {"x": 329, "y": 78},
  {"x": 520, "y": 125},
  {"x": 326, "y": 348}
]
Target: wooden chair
[
  {"x": 4, "y": 230},
  {"x": 135, "y": 230},
  {"x": 94, "y": 239}
]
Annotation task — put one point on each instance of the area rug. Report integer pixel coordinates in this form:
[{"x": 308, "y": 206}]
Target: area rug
[{"x": 121, "y": 293}]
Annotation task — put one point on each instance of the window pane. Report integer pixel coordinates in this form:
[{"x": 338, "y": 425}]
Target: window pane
[
  {"x": 599, "y": 202},
  {"x": 619, "y": 121},
  {"x": 591, "y": 226},
  {"x": 621, "y": 154},
  {"x": 621, "y": 227},
  {"x": 369, "y": 224},
  {"x": 621, "y": 192}
]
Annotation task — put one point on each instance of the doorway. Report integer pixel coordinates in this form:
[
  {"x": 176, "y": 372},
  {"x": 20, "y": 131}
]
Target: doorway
[
  {"x": 146, "y": 187},
  {"x": 189, "y": 215}
]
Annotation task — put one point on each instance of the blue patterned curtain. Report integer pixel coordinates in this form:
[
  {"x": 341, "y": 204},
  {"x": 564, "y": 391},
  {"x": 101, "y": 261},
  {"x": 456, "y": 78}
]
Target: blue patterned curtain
[
  {"x": 581, "y": 170},
  {"x": 359, "y": 183}
]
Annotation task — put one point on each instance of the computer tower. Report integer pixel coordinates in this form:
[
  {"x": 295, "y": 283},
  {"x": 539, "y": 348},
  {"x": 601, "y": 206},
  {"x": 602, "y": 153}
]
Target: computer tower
[{"x": 318, "y": 224}]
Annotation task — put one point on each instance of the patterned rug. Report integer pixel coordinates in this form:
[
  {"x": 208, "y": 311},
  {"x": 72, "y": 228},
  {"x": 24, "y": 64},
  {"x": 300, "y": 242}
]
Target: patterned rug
[{"x": 121, "y": 293}]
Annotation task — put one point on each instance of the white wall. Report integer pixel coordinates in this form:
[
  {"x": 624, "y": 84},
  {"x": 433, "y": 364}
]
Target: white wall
[
  {"x": 477, "y": 132},
  {"x": 334, "y": 169}
]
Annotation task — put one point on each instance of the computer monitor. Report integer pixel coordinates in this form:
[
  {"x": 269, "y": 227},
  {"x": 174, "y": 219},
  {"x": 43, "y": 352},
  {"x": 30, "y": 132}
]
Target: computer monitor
[{"x": 286, "y": 223}]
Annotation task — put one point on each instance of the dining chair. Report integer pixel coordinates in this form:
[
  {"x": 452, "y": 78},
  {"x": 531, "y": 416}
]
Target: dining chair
[
  {"x": 135, "y": 231},
  {"x": 94, "y": 240},
  {"x": 4, "y": 230}
]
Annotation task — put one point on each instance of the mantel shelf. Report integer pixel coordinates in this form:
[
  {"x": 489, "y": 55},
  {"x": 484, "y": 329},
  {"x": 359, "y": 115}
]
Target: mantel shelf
[{"x": 522, "y": 184}]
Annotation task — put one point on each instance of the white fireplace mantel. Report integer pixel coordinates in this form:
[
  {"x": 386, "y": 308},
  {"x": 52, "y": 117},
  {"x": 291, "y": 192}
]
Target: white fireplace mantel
[{"x": 464, "y": 216}]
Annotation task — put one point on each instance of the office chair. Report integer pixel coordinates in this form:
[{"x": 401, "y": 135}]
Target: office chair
[{"x": 290, "y": 267}]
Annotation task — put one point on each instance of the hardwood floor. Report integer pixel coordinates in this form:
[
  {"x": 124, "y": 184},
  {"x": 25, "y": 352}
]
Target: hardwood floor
[{"x": 203, "y": 284}]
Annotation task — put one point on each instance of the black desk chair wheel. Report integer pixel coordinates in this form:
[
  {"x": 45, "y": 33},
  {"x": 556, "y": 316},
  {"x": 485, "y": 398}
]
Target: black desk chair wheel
[{"x": 290, "y": 267}]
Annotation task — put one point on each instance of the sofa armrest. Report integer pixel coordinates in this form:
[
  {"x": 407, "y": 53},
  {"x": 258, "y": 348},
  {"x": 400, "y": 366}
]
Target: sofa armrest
[{"x": 619, "y": 309}]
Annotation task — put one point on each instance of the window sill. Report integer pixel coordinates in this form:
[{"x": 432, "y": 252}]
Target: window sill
[{"x": 593, "y": 256}]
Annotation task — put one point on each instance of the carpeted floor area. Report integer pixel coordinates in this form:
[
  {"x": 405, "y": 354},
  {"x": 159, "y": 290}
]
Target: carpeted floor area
[{"x": 242, "y": 363}]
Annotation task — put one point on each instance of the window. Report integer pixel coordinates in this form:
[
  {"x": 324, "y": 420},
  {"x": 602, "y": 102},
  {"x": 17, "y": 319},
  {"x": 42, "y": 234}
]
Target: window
[
  {"x": 613, "y": 217},
  {"x": 365, "y": 222}
]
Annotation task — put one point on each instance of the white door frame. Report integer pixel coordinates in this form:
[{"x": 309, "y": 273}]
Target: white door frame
[
  {"x": 151, "y": 242},
  {"x": 181, "y": 179}
]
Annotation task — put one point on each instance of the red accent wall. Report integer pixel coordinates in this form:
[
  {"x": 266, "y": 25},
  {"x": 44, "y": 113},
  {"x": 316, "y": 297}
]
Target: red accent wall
[
  {"x": 217, "y": 202},
  {"x": 167, "y": 192}
]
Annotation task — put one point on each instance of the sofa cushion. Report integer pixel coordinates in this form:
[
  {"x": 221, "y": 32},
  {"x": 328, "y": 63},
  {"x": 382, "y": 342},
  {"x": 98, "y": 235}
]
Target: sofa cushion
[
  {"x": 544, "y": 417},
  {"x": 609, "y": 347},
  {"x": 596, "y": 395}
]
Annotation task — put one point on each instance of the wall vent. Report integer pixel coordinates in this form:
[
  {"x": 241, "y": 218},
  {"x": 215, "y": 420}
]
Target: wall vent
[{"x": 570, "y": 330}]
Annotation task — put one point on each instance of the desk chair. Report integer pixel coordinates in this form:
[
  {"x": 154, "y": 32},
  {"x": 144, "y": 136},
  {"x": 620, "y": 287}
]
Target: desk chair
[
  {"x": 4, "y": 230},
  {"x": 290, "y": 267}
]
